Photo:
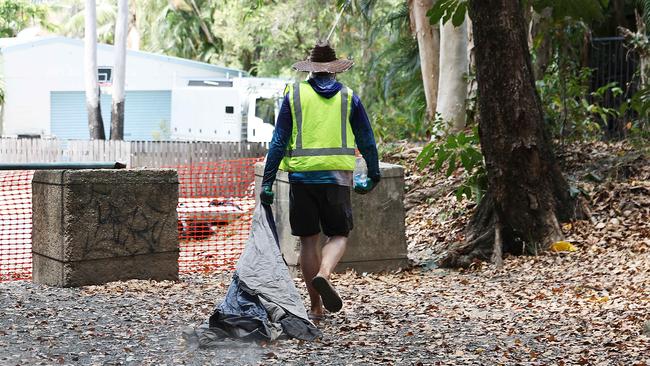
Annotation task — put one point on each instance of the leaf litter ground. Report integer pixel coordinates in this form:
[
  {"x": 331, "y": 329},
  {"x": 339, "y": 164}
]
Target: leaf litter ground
[{"x": 588, "y": 307}]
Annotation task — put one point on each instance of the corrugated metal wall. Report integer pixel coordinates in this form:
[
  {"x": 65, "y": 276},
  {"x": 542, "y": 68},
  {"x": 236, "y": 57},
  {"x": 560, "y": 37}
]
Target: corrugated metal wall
[
  {"x": 69, "y": 117},
  {"x": 147, "y": 115}
]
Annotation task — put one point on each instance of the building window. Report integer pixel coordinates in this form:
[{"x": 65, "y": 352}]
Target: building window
[
  {"x": 265, "y": 110},
  {"x": 105, "y": 75}
]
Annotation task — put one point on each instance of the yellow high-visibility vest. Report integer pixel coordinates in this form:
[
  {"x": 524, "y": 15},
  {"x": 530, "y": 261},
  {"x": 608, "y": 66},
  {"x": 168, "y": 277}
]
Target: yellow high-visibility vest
[{"x": 321, "y": 138}]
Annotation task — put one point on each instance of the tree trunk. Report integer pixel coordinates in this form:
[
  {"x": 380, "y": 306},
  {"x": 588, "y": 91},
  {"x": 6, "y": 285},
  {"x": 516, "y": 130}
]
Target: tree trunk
[
  {"x": 133, "y": 37},
  {"x": 527, "y": 193},
  {"x": 452, "y": 85},
  {"x": 472, "y": 87},
  {"x": 543, "y": 51},
  {"x": 95, "y": 122},
  {"x": 428, "y": 38},
  {"x": 121, "y": 32}
]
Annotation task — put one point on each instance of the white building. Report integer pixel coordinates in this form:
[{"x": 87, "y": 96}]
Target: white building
[{"x": 44, "y": 91}]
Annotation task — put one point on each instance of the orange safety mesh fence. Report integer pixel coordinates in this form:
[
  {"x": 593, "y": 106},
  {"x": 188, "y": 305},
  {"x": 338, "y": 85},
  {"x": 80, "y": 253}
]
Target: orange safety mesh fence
[
  {"x": 215, "y": 207},
  {"x": 15, "y": 225}
]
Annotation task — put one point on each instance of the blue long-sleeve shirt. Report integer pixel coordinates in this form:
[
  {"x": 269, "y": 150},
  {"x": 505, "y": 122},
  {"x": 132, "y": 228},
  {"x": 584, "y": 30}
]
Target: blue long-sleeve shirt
[{"x": 361, "y": 128}]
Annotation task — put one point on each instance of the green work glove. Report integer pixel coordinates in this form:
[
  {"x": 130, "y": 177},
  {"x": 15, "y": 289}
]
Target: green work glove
[
  {"x": 266, "y": 196},
  {"x": 363, "y": 187}
]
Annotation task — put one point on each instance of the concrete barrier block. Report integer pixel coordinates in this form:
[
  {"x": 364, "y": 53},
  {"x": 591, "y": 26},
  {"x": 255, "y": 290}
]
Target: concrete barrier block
[
  {"x": 97, "y": 226},
  {"x": 155, "y": 266},
  {"x": 47, "y": 216},
  {"x": 378, "y": 240}
]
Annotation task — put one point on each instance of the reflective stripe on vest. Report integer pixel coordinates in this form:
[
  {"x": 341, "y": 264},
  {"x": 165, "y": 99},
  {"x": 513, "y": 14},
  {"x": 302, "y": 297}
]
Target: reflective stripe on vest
[
  {"x": 320, "y": 151},
  {"x": 299, "y": 157}
]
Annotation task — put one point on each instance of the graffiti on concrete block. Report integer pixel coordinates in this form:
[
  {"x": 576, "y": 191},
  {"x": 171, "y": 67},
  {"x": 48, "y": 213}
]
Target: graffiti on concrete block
[{"x": 123, "y": 223}]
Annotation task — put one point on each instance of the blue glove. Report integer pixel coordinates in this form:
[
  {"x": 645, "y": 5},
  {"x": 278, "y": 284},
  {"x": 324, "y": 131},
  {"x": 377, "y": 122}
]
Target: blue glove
[
  {"x": 363, "y": 187},
  {"x": 266, "y": 196}
]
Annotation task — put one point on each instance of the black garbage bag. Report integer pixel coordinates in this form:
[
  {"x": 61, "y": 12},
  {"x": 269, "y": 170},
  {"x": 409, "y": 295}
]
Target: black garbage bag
[{"x": 262, "y": 302}]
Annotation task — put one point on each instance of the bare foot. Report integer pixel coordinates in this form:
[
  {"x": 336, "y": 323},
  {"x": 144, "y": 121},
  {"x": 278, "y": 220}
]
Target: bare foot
[
  {"x": 316, "y": 314},
  {"x": 317, "y": 310}
]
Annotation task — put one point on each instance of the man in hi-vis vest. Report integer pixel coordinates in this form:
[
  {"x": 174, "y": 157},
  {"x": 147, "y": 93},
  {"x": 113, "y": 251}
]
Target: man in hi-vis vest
[{"x": 314, "y": 140}]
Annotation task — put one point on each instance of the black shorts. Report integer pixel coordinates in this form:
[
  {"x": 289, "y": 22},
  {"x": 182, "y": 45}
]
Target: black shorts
[{"x": 312, "y": 206}]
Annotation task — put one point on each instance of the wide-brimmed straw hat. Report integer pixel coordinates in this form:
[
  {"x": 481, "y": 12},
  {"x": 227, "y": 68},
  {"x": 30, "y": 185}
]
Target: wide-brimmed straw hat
[{"x": 323, "y": 59}]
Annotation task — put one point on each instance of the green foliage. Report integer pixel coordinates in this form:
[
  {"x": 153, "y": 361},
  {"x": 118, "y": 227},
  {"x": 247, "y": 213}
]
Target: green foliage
[
  {"x": 446, "y": 10},
  {"x": 586, "y": 10},
  {"x": 638, "y": 106},
  {"x": 16, "y": 15},
  {"x": 394, "y": 81},
  {"x": 597, "y": 109},
  {"x": 179, "y": 28},
  {"x": 187, "y": 33},
  {"x": 70, "y": 17},
  {"x": 640, "y": 103},
  {"x": 567, "y": 107},
  {"x": 265, "y": 37},
  {"x": 175, "y": 28},
  {"x": 570, "y": 111},
  {"x": 639, "y": 42},
  {"x": 458, "y": 150}
]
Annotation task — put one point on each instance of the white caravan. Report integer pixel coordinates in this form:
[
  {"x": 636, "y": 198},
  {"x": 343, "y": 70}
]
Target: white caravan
[{"x": 237, "y": 109}]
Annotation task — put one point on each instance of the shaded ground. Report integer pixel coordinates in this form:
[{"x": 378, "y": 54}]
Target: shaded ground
[
  {"x": 586, "y": 307},
  {"x": 428, "y": 317}
]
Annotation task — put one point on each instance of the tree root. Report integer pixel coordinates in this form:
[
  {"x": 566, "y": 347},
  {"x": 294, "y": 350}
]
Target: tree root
[
  {"x": 488, "y": 238},
  {"x": 497, "y": 249},
  {"x": 462, "y": 255}
]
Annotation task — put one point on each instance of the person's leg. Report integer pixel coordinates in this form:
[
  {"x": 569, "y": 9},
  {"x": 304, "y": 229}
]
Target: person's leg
[
  {"x": 332, "y": 252},
  {"x": 336, "y": 220},
  {"x": 310, "y": 263},
  {"x": 303, "y": 216},
  {"x": 335, "y": 212}
]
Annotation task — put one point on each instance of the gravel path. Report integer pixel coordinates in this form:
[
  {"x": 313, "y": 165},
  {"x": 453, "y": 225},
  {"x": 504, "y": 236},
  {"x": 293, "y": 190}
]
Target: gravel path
[
  {"x": 412, "y": 317},
  {"x": 134, "y": 322}
]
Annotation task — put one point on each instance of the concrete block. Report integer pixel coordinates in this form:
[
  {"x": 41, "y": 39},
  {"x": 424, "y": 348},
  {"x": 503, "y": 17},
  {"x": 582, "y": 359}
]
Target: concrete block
[
  {"x": 97, "y": 226},
  {"x": 378, "y": 240},
  {"x": 154, "y": 266}
]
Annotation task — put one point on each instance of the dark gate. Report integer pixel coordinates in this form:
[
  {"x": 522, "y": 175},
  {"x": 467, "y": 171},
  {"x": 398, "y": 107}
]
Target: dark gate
[{"x": 611, "y": 61}]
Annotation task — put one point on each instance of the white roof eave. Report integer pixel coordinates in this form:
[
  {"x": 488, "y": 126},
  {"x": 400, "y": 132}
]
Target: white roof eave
[{"x": 16, "y": 44}]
